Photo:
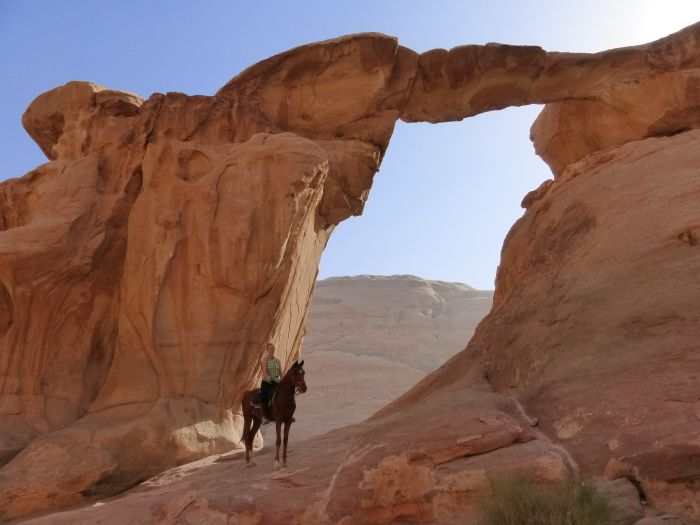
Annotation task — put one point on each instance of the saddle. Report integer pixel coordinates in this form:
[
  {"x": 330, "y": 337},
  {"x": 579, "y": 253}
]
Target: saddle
[
  {"x": 255, "y": 398},
  {"x": 256, "y": 401}
]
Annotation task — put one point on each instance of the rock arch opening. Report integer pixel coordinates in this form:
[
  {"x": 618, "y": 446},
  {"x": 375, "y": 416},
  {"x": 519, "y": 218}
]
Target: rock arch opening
[
  {"x": 445, "y": 195},
  {"x": 394, "y": 309}
]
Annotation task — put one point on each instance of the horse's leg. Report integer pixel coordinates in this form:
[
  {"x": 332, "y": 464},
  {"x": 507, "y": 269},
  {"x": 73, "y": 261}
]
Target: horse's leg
[
  {"x": 247, "y": 423},
  {"x": 251, "y": 436},
  {"x": 287, "y": 426},
  {"x": 245, "y": 410},
  {"x": 278, "y": 427}
]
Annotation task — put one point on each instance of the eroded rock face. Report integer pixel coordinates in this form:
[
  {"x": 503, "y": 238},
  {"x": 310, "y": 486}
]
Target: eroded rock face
[
  {"x": 595, "y": 321},
  {"x": 143, "y": 268}
]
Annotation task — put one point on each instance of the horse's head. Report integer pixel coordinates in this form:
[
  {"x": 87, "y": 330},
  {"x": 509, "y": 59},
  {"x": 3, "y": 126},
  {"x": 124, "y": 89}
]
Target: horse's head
[{"x": 297, "y": 375}]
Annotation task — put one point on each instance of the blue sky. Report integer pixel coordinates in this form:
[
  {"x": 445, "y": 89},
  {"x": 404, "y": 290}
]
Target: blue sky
[{"x": 446, "y": 194}]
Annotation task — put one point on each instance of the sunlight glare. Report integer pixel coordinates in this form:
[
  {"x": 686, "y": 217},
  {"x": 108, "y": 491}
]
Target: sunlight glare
[{"x": 656, "y": 19}]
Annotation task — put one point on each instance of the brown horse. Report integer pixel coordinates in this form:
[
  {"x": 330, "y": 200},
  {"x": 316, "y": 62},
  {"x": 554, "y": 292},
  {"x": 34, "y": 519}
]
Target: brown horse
[{"x": 282, "y": 409}]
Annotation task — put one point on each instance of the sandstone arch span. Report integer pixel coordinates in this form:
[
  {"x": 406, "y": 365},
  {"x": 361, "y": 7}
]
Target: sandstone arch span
[{"x": 168, "y": 239}]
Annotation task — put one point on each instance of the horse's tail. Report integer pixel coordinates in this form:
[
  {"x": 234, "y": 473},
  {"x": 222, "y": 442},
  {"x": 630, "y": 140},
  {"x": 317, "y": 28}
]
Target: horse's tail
[{"x": 246, "y": 418}]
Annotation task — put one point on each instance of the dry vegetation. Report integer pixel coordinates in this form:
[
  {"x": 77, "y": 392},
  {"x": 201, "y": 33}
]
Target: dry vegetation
[{"x": 520, "y": 501}]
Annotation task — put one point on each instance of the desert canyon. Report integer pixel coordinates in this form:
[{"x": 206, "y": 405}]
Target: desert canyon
[{"x": 166, "y": 240}]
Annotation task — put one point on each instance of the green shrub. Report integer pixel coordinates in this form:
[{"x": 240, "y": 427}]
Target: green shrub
[{"x": 519, "y": 501}]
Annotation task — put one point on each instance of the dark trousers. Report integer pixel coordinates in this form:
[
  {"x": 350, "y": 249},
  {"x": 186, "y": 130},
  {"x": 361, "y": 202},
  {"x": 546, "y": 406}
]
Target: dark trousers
[{"x": 266, "y": 390}]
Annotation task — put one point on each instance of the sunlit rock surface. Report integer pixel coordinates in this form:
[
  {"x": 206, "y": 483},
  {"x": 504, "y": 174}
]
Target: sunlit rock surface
[
  {"x": 146, "y": 265},
  {"x": 143, "y": 268},
  {"x": 595, "y": 320}
]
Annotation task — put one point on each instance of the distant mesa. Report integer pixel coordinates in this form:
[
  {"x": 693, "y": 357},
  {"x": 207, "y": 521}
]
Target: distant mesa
[{"x": 384, "y": 333}]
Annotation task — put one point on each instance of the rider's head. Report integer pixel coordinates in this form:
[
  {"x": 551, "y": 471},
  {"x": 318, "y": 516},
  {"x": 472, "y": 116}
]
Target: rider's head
[{"x": 270, "y": 349}]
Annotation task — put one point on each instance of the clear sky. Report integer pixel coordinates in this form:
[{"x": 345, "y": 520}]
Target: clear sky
[{"x": 446, "y": 194}]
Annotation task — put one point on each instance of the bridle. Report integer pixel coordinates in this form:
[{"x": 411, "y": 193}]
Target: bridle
[{"x": 298, "y": 384}]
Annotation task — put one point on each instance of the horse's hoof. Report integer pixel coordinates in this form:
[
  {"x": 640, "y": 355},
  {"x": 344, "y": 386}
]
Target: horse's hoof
[
  {"x": 251, "y": 464},
  {"x": 276, "y": 466},
  {"x": 284, "y": 465}
]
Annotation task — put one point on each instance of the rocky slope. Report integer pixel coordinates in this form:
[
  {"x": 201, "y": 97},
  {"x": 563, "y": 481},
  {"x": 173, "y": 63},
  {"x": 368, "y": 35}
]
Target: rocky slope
[
  {"x": 144, "y": 266},
  {"x": 595, "y": 320}
]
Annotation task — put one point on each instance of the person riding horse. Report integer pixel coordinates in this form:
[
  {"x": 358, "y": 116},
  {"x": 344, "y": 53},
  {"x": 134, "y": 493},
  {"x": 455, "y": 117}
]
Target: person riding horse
[{"x": 281, "y": 407}]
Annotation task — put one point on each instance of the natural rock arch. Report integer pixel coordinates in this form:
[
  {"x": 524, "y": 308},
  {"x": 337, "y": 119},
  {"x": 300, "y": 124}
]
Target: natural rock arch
[{"x": 168, "y": 239}]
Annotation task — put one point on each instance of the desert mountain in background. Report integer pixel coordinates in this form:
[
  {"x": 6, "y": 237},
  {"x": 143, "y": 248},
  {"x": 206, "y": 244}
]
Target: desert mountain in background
[{"x": 370, "y": 338}]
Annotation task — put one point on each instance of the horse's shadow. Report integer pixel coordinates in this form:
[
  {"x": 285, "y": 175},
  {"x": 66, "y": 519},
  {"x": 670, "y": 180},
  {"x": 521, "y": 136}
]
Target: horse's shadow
[{"x": 236, "y": 455}]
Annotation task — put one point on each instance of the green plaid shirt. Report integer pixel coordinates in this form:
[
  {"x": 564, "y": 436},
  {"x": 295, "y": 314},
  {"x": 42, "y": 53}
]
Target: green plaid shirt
[{"x": 273, "y": 369}]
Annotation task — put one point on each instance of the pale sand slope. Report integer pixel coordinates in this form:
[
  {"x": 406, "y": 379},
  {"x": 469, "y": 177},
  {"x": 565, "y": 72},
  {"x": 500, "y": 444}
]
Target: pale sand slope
[{"x": 371, "y": 338}]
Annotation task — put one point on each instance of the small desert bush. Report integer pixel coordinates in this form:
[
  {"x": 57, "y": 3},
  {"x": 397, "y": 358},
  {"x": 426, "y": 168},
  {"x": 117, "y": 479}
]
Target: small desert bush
[{"x": 520, "y": 501}]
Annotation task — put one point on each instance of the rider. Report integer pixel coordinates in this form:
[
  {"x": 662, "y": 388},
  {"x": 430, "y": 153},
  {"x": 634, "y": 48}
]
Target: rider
[{"x": 271, "y": 374}]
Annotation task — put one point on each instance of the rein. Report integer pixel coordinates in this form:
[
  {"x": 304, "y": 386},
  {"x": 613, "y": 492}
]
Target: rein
[
  {"x": 297, "y": 383},
  {"x": 297, "y": 386}
]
